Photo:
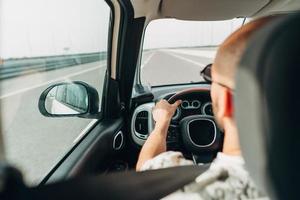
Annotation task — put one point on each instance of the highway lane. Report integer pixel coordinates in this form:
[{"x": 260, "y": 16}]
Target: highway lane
[
  {"x": 35, "y": 143},
  {"x": 175, "y": 66}
]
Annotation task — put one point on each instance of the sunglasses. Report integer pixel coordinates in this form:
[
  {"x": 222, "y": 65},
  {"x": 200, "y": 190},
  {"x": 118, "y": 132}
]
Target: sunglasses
[{"x": 206, "y": 73}]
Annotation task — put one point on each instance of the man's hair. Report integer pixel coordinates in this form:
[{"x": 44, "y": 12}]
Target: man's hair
[{"x": 232, "y": 49}]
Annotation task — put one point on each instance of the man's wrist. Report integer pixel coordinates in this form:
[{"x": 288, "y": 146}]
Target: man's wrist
[{"x": 162, "y": 127}]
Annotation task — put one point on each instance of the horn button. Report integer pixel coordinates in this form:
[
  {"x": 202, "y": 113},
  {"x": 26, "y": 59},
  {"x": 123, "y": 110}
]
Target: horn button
[{"x": 199, "y": 133}]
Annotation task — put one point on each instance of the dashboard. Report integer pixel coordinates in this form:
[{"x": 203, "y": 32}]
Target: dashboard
[
  {"x": 142, "y": 123},
  {"x": 193, "y": 104},
  {"x": 192, "y": 128}
]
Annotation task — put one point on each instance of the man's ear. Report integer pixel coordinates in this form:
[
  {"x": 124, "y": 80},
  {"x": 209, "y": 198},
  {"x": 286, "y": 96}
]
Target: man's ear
[
  {"x": 228, "y": 103},
  {"x": 221, "y": 104}
]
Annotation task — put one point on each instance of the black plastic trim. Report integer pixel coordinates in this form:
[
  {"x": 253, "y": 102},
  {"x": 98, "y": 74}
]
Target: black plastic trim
[
  {"x": 80, "y": 159},
  {"x": 129, "y": 59},
  {"x": 113, "y": 106}
]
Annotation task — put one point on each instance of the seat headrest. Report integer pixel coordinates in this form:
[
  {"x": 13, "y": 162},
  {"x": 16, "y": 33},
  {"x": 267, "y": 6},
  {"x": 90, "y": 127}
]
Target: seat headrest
[{"x": 267, "y": 102}]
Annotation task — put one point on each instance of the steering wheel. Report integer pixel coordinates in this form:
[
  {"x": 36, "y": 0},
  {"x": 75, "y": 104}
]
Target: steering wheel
[{"x": 199, "y": 134}]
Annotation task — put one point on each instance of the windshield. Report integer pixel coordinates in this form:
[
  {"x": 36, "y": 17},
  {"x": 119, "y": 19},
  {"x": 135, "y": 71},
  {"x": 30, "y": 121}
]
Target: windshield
[{"x": 175, "y": 51}]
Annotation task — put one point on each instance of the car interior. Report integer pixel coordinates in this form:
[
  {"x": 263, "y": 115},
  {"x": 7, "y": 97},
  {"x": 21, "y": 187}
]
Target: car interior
[{"x": 266, "y": 100}]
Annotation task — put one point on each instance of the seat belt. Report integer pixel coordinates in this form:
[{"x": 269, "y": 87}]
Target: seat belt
[{"x": 146, "y": 185}]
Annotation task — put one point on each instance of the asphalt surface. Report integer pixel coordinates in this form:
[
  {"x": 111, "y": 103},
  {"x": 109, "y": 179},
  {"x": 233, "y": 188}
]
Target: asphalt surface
[
  {"x": 35, "y": 143},
  {"x": 175, "y": 66}
]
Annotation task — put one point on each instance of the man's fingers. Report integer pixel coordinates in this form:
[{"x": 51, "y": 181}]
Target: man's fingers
[
  {"x": 163, "y": 101},
  {"x": 177, "y": 103}
]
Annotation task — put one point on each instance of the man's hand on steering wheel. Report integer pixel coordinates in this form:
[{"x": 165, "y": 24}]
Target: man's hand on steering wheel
[{"x": 163, "y": 112}]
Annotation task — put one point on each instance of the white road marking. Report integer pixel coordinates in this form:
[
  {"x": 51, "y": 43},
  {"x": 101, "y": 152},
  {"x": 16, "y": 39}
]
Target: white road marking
[
  {"x": 60, "y": 108},
  {"x": 195, "y": 52},
  {"x": 185, "y": 59},
  {"x": 148, "y": 59},
  {"x": 85, "y": 130},
  {"x": 49, "y": 82}
]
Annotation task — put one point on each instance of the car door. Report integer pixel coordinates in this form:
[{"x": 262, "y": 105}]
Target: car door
[{"x": 44, "y": 43}]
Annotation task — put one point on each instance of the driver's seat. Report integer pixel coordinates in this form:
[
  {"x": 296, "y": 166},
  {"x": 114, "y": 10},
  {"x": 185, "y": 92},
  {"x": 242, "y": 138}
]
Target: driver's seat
[{"x": 268, "y": 107}]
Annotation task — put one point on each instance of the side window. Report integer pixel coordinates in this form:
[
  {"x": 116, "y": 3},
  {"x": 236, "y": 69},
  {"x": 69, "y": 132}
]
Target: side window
[{"x": 43, "y": 43}]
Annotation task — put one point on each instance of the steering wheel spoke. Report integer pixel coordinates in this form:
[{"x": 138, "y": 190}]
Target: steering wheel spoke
[{"x": 173, "y": 133}]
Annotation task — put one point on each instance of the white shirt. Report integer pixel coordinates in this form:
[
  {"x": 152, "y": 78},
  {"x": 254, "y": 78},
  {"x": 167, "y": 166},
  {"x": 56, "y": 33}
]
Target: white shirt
[{"x": 225, "y": 179}]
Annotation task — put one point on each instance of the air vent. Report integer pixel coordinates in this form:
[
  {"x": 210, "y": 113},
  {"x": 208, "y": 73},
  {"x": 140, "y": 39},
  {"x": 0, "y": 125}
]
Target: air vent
[
  {"x": 142, "y": 114},
  {"x": 141, "y": 123}
]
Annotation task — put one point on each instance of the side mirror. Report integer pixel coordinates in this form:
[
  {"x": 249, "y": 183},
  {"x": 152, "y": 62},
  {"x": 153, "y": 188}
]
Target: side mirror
[{"x": 70, "y": 99}]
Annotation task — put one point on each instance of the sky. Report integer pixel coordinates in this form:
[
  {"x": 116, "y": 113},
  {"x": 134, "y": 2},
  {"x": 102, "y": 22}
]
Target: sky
[
  {"x": 31, "y": 28},
  {"x": 176, "y": 33}
]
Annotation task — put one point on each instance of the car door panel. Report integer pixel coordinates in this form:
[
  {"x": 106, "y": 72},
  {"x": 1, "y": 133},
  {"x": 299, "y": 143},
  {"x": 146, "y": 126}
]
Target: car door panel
[{"x": 90, "y": 154}]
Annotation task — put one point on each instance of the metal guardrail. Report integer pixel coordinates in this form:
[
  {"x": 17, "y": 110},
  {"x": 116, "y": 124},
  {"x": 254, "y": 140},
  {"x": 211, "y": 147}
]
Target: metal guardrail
[{"x": 18, "y": 67}]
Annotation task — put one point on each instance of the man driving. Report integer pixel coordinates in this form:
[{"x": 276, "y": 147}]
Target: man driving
[{"x": 227, "y": 177}]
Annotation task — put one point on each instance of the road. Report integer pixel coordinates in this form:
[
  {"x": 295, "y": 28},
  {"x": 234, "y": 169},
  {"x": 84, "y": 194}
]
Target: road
[
  {"x": 175, "y": 65},
  {"x": 35, "y": 143}
]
